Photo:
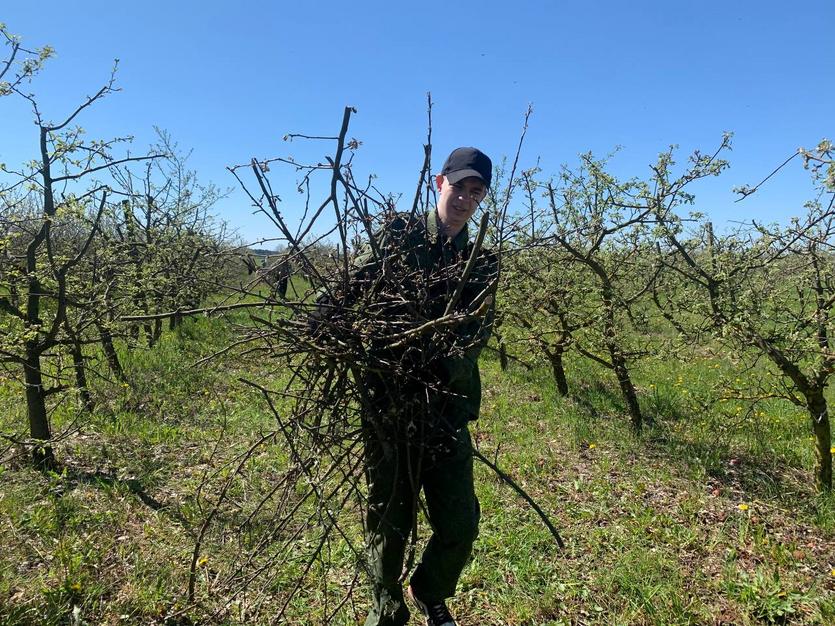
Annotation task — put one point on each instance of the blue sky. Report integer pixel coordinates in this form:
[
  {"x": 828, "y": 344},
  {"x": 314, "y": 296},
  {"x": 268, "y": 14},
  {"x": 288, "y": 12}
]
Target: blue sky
[{"x": 228, "y": 80}]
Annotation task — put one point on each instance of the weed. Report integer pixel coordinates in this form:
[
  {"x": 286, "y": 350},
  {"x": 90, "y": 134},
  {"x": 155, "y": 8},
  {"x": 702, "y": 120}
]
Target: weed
[{"x": 765, "y": 595}]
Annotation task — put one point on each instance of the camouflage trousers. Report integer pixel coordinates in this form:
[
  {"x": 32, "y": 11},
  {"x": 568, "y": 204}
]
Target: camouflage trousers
[{"x": 396, "y": 471}]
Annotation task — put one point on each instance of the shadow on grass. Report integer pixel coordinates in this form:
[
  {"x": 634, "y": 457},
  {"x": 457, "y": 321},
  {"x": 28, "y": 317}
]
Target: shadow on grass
[
  {"x": 74, "y": 476},
  {"x": 599, "y": 399},
  {"x": 724, "y": 466},
  {"x": 748, "y": 475},
  {"x": 596, "y": 398}
]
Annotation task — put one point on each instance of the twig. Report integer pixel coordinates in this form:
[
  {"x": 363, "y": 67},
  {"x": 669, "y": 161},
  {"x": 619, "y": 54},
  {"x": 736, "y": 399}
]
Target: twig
[{"x": 523, "y": 494}]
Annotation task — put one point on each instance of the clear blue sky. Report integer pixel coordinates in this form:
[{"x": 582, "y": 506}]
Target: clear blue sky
[{"x": 229, "y": 79}]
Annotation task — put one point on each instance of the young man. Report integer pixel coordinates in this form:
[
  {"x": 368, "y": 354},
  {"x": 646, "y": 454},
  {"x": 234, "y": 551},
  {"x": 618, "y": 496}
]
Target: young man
[{"x": 416, "y": 434}]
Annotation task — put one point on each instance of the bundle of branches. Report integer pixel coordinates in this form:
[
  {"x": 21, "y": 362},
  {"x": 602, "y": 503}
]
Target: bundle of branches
[{"x": 370, "y": 338}]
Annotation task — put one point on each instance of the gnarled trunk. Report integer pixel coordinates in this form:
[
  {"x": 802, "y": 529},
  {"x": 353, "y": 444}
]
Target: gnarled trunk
[
  {"x": 157, "y": 333},
  {"x": 110, "y": 353},
  {"x": 80, "y": 373},
  {"x": 42, "y": 455},
  {"x": 628, "y": 390},
  {"x": 558, "y": 369},
  {"x": 619, "y": 365},
  {"x": 819, "y": 412}
]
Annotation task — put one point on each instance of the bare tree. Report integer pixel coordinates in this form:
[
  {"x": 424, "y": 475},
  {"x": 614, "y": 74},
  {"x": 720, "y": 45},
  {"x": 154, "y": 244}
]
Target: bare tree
[
  {"x": 172, "y": 248},
  {"x": 767, "y": 292},
  {"x": 64, "y": 183},
  {"x": 599, "y": 224}
]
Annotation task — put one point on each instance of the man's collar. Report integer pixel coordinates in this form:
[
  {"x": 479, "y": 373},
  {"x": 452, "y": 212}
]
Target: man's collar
[{"x": 433, "y": 225}]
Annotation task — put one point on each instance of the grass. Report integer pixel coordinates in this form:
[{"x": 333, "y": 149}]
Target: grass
[{"x": 707, "y": 518}]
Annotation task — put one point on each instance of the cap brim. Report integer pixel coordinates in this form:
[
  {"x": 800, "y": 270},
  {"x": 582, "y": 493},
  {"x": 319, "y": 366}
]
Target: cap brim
[{"x": 454, "y": 177}]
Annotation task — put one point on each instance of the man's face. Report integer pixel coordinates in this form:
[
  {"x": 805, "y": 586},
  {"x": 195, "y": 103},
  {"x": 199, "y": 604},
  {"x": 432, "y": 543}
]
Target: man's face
[{"x": 458, "y": 201}]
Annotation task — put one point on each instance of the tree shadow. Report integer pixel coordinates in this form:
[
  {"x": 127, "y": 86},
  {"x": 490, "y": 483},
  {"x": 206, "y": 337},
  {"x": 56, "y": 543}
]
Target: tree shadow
[
  {"x": 730, "y": 469},
  {"x": 73, "y": 476},
  {"x": 598, "y": 399},
  {"x": 726, "y": 467}
]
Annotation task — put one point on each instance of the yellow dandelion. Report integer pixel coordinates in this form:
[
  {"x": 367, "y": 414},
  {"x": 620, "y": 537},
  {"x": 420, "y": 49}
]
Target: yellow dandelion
[
  {"x": 832, "y": 572},
  {"x": 202, "y": 561},
  {"x": 592, "y": 446},
  {"x": 742, "y": 507},
  {"x": 832, "y": 450},
  {"x": 75, "y": 586}
]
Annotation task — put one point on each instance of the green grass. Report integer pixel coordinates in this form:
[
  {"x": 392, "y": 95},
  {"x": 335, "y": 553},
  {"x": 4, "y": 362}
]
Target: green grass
[{"x": 709, "y": 517}]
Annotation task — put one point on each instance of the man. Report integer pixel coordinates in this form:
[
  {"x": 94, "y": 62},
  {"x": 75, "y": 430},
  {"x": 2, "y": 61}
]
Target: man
[{"x": 423, "y": 392}]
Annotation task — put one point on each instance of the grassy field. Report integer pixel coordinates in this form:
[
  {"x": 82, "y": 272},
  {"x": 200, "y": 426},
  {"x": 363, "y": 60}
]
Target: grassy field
[{"x": 708, "y": 518}]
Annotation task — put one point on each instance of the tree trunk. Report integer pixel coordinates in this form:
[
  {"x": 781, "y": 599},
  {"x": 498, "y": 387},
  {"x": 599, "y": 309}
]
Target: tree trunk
[
  {"x": 628, "y": 391},
  {"x": 819, "y": 412},
  {"x": 618, "y": 361},
  {"x": 157, "y": 333},
  {"x": 42, "y": 455},
  {"x": 558, "y": 369},
  {"x": 80, "y": 373},
  {"x": 504, "y": 361},
  {"x": 149, "y": 334},
  {"x": 133, "y": 335},
  {"x": 110, "y": 353}
]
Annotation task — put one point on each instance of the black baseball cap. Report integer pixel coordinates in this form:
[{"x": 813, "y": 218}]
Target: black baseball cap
[{"x": 464, "y": 162}]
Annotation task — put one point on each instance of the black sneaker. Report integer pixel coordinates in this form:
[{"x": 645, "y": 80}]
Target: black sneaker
[{"x": 436, "y": 614}]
